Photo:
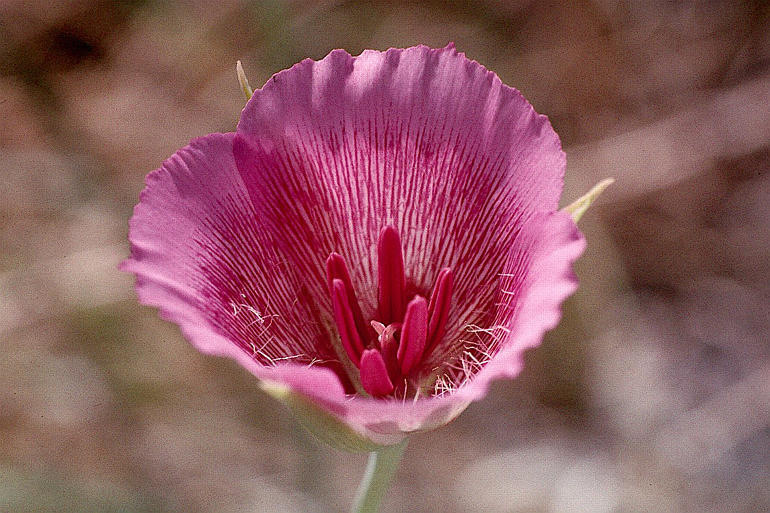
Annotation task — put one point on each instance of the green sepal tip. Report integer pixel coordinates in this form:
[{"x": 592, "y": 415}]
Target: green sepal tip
[
  {"x": 325, "y": 426},
  {"x": 579, "y": 207},
  {"x": 243, "y": 81}
]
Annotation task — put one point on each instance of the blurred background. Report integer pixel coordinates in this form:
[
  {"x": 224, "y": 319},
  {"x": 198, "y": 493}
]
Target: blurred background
[{"x": 653, "y": 395}]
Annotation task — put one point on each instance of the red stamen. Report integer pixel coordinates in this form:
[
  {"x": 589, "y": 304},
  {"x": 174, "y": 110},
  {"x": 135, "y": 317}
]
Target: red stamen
[
  {"x": 336, "y": 269},
  {"x": 438, "y": 309},
  {"x": 374, "y": 374},
  {"x": 390, "y": 273},
  {"x": 343, "y": 315},
  {"x": 405, "y": 334},
  {"x": 413, "y": 334}
]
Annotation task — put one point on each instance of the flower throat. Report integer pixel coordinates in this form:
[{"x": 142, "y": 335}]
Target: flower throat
[{"x": 388, "y": 352}]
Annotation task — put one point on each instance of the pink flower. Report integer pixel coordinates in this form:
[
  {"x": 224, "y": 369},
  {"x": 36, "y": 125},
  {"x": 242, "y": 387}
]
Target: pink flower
[{"x": 377, "y": 241}]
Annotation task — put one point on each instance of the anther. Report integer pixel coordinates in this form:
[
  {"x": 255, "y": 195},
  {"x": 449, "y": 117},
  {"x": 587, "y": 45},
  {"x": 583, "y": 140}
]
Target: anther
[
  {"x": 336, "y": 269},
  {"x": 374, "y": 374},
  {"x": 390, "y": 274},
  {"x": 343, "y": 315},
  {"x": 406, "y": 335},
  {"x": 413, "y": 334},
  {"x": 438, "y": 308}
]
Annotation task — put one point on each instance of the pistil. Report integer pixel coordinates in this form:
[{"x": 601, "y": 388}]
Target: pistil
[{"x": 388, "y": 345}]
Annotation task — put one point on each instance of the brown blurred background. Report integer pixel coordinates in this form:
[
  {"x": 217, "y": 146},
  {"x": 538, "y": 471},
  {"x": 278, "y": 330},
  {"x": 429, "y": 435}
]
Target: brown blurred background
[{"x": 652, "y": 396}]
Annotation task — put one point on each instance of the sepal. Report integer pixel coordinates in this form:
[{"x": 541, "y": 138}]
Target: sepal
[
  {"x": 324, "y": 425},
  {"x": 579, "y": 207}
]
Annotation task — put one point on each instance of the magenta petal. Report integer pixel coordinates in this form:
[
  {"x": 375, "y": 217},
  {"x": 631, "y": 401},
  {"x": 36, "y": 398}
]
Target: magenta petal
[
  {"x": 172, "y": 214},
  {"x": 413, "y": 334},
  {"x": 198, "y": 254},
  {"x": 424, "y": 140},
  {"x": 374, "y": 374},
  {"x": 540, "y": 269},
  {"x": 538, "y": 277}
]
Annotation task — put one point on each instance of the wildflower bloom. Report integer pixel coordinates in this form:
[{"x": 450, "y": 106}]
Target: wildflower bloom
[{"x": 377, "y": 241}]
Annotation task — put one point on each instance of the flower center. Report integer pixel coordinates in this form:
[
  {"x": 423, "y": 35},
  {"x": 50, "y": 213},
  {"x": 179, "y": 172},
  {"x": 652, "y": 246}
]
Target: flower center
[{"x": 387, "y": 353}]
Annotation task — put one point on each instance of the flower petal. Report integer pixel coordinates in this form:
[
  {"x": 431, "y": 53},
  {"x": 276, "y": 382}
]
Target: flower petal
[
  {"x": 199, "y": 255},
  {"x": 537, "y": 279},
  {"x": 424, "y": 140},
  {"x": 231, "y": 234}
]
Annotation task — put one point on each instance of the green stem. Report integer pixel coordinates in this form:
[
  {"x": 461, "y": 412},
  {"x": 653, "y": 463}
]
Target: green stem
[{"x": 379, "y": 472}]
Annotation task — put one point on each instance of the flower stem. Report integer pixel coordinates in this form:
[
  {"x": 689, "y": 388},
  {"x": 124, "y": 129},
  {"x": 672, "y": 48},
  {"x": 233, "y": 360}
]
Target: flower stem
[{"x": 379, "y": 472}]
